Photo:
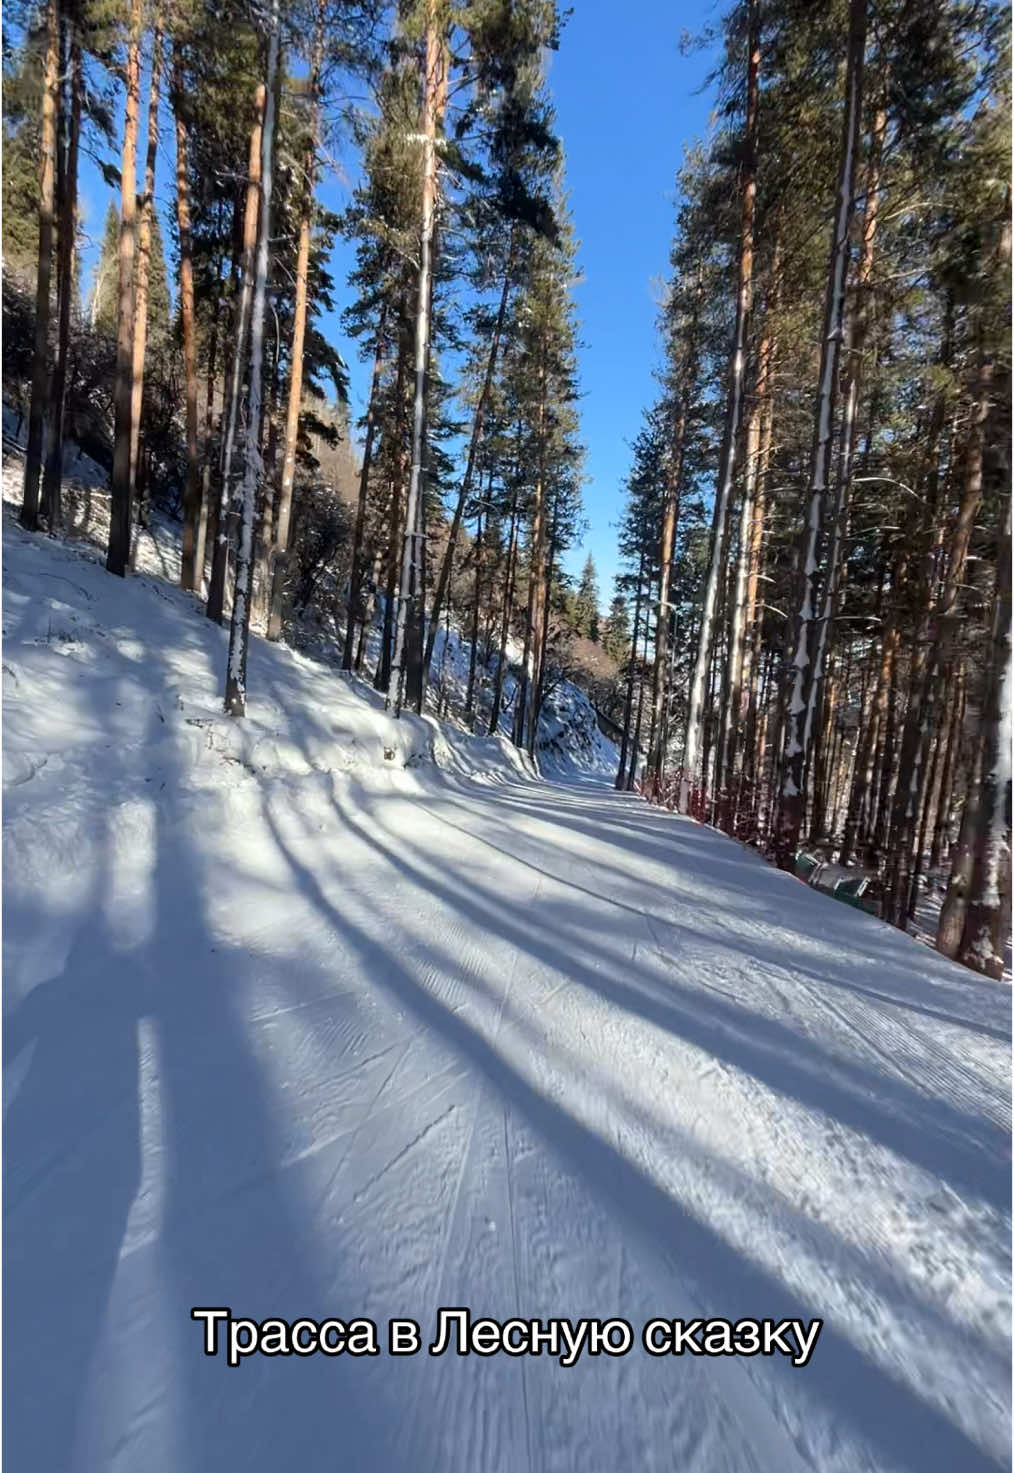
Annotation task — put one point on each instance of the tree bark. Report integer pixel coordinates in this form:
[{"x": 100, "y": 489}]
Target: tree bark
[
  {"x": 476, "y": 602},
  {"x": 280, "y": 561},
  {"x": 40, "y": 355},
  {"x": 191, "y": 565},
  {"x": 745, "y": 596},
  {"x": 667, "y": 539},
  {"x": 411, "y": 590},
  {"x": 635, "y": 743},
  {"x": 505, "y": 617},
  {"x": 356, "y": 575},
  {"x": 987, "y": 920},
  {"x": 118, "y": 554},
  {"x": 224, "y": 528},
  {"x": 143, "y": 268},
  {"x": 628, "y": 709},
  {"x": 537, "y": 591},
  {"x": 52, "y": 481},
  {"x": 253, "y": 470},
  {"x": 953, "y": 912},
  {"x": 382, "y": 675},
  {"x": 942, "y": 824}
]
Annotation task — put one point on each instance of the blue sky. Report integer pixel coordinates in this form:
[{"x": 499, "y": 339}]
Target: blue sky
[{"x": 627, "y": 102}]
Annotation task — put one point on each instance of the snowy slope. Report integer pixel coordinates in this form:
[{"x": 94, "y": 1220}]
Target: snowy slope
[
  {"x": 301, "y": 1028},
  {"x": 570, "y": 744}
]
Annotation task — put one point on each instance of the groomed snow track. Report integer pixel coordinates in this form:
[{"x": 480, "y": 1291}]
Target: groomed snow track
[{"x": 296, "y": 1031}]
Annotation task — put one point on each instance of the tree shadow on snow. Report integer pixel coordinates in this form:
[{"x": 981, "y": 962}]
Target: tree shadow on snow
[{"x": 907, "y": 1431}]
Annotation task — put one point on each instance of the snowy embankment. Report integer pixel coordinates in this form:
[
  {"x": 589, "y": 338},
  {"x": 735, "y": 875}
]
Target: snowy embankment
[
  {"x": 570, "y": 745},
  {"x": 96, "y": 668},
  {"x": 303, "y": 1029}
]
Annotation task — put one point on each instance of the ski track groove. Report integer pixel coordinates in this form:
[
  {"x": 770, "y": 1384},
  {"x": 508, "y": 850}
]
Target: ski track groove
[
  {"x": 431, "y": 1125},
  {"x": 480, "y": 1091},
  {"x": 932, "y": 1081},
  {"x": 509, "y": 1184},
  {"x": 453, "y": 1215}
]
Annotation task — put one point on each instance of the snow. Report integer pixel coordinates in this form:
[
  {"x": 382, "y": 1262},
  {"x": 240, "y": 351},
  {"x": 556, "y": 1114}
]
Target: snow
[{"x": 321, "y": 1013}]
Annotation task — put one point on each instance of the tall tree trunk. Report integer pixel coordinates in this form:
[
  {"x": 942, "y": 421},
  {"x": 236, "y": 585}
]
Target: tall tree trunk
[
  {"x": 356, "y": 575},
  {"x": 40, "y": 355},
  {"x": 382, "y": 675},
  {"x": 942, "y": 824},
  {"x": 367, "y": 611},
  {"x": 505, "y": 617},
  {"x": 733, "y": 412},
  {"x": 143, "y": 268},
  {"x": 856, "y": 349},
  {"x": 52, "y": 481},
  {"x": 800, "y": 718},
  {"x": 670, "y": 516},
  {"x": 954, "y": 910},
  {"x": 987, "y": 920},
  {"x": 474, "y": 441},
  {"x": 745, "y": 596},
  {"x": 754, "y": 728},
  {"x": 476, "y": 601},
  {"x": 628, "y": 708},
  {"x": 544, "y": 614},
  {"x": 635, "y": 742},
  {"x": 191, "y": 569},
  {"x": 279, "y": 568},
  {"x": 415, "y": 674},
  {"x": 212, "y": 477},
  {"x": 942, "y": 626},
  {"x": 122, "y": 488},
  {"x": 224, "y": 529},
  {"x": 204, "y": 484},
  {"x": 524, "y": 679},
  {"x": 267, "y": 513},
  {"x": 885, "y": 772},
  {"x": 936, "y": 741},
  {"x": 253, "y": 470},
  {"x": 411, "y": 591},
  {"x": 537, "y": 579},
  {"x": 857, "y": 817},
  {"x": 933, "y": 635}
]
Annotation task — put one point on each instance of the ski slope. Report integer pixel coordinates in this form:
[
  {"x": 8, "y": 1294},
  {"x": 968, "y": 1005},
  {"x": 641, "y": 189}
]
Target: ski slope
[{"x": 320, "y": 1014}]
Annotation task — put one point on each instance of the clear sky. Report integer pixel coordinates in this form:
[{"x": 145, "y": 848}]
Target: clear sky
[{"x": 627, "y": 102}]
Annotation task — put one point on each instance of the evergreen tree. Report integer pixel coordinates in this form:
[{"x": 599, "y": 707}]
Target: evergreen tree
[
  {"x": 102, "y": 304},
  {"x": 585, "y": 604},
  {"x": 616, "y": 629}
]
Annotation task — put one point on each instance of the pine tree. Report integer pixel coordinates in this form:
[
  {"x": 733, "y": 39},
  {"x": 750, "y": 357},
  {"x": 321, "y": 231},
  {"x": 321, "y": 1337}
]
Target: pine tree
[
  {"x": 586, "y": 602},
  {"x": 102, "y": 307},
  {"x": 616, "y": 629}
]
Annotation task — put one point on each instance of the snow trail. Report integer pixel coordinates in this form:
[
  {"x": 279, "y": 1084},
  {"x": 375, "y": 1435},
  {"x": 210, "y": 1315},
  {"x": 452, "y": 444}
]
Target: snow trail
[{"x": 296, "y": 1029}]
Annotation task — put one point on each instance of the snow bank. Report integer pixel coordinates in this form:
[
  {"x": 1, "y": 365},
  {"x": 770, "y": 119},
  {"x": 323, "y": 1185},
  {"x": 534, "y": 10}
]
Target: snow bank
[
  {"x": 570, "y": 744},
  {"x": 146, "y": 661}
]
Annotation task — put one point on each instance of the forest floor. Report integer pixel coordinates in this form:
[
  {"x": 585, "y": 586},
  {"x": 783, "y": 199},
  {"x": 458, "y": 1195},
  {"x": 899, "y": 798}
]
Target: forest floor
[{"x": 324, "y": 1015}]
